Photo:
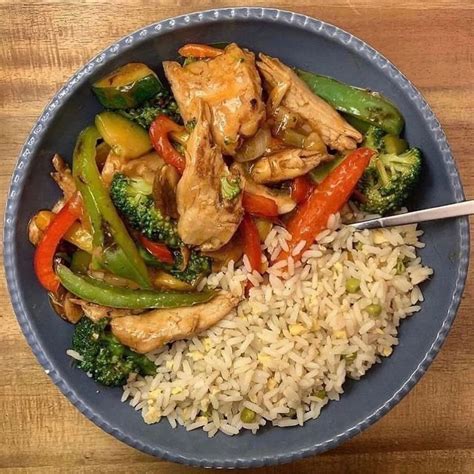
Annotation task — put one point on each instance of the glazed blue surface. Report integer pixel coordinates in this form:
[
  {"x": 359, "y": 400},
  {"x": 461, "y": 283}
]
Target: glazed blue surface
[{"x": 298, "y": 41}]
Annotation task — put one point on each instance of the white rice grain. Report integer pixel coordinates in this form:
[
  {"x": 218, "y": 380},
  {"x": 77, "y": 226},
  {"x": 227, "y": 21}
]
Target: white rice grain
[
  {"x": 75, "y": 355},
  {"x": 296, "y": 333}
]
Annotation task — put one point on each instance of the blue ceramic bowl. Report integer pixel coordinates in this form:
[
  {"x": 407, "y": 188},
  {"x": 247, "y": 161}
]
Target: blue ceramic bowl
[{"x": 299, "y": 41}]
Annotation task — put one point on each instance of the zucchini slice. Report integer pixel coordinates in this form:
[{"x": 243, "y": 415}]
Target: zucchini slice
[
  {"x": 126, "y": 139},
  {"x": 127, "y": 87}
]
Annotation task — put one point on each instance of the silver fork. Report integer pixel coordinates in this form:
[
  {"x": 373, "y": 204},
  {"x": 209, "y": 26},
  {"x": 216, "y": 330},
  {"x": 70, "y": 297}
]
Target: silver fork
[{"x": 465, "y": 208}]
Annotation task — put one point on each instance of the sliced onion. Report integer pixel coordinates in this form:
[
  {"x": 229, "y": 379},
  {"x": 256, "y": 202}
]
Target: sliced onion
[
  {"x": 186, "y": 253},
  {"x": 232, "y": 250},
  {"x": 64, "y": 307},
  {"x": 276, "y": 96},
  {"x": 284, "y": 119},
  {"x": 264, "y": 226},
  {"x": 314, "y": 142},
  {"x": 165, "y": 280},
  {"x": 282, "y": 197},
  {"x": 306, "y": 128},
  {"x": 113, "y": 280},
  {"x": 255, "y": 146},
  {"x": 293, "y": 138},
  {"x": 297, "y": 139}
]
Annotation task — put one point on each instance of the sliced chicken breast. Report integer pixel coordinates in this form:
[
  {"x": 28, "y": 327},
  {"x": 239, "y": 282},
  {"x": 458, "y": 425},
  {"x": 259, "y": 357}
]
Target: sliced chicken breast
[
  {"x": 296, "y": 96},
  {"x": 96, "y": 312},
  {"x": 152, "y": 330},
  {"x": 285, "y": 164},
  {"x": 63, "y": 176},
  {"x": 206, "y": 218},
  {"x": 230, "y": 85}
]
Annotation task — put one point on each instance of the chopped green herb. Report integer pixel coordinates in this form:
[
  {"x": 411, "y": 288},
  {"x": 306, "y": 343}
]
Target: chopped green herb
[
  {"x": 190, "y": 124},
  {"x": 189, "y": 60},
  {"x": 230, "y": 187}
]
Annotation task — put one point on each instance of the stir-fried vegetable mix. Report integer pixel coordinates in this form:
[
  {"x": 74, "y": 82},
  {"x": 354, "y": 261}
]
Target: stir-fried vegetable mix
[{"x": 176, "y": 178}]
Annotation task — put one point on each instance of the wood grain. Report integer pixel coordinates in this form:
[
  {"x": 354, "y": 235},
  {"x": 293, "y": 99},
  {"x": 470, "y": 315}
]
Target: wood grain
[{"x": 44, "y": 42}]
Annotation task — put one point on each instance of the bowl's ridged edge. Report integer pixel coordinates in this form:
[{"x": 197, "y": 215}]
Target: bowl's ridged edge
[{"x": 301, "y": 21}]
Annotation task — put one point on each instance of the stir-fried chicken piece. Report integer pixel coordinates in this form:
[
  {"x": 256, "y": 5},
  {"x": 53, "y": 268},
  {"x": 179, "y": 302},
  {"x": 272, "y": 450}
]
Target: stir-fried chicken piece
[
  {"x": 113, "y": 164},
  {"x": 230, "y": 85},
  {"x": 285, "y": 164},
  {"x": 96, "y": 312},
  {"x": 164, "y": 191},
  {"x": 207, "y": 218},
  {"x": 282, "y": 197},
  {"x": 144, "y": 167},
  {"x": 298, "y": 98},
  {"x": 35, "y": 234},
  {"x": 232, "y": 250},
  {"x": 149, "y": 331},
  {"x": 63, "y": 177},
  {"x": 65, "y": 306}
]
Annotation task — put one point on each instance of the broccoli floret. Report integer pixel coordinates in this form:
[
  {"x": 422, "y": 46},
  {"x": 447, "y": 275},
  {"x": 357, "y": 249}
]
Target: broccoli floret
[
  {"x": 388, "y": 181},
  {"x": 198, "y": 265},
  {"x": 374, "y": 138},
  {"x": 162, "y": 103},
  {"x": 103, "y": 357},
  {"x": 133, "y": 199}
]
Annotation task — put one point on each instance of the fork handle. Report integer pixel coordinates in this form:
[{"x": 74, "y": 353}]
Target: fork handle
[{"x": 464, "y": 208}]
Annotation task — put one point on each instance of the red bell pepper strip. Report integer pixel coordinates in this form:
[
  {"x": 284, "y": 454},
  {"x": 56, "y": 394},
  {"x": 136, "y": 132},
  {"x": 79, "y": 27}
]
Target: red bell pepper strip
[
  {"x": 159, "y": 251},
  {"x": 251, "y": 241},
  {"x": 44, "y": 254},
  {"x": 199, "y": 51},
  {"x": 259, "y": 205},
  {"x": 301, "y": 187},
  {"x": 328, "y": 198},
  {"x": 159, "y": 130}
]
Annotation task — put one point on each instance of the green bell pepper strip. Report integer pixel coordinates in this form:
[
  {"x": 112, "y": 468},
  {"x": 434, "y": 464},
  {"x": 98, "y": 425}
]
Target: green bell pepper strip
[
  {"x": 115, "y": 261},
  {"x": 100, "y": 208},
  {"x": 86, "y": 145},
  {"x": 103, "y": 294},
  {"x": 364, "y": 104},
  {"x": 361, "y": 125},
  {"x": 80, "y": 261}
]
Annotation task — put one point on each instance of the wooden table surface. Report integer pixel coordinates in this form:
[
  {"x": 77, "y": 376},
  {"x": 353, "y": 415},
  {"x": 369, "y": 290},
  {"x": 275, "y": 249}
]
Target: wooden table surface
[{"x": 42, "y": 43}]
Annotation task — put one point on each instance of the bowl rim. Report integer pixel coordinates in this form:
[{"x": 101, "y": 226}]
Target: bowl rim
[{"x": 229, "y": 14}]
